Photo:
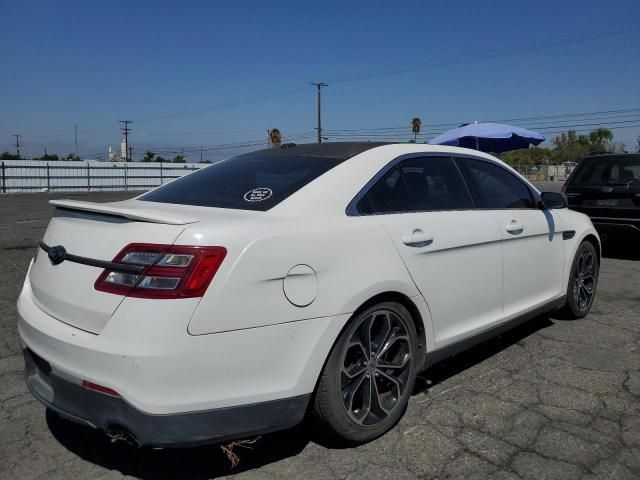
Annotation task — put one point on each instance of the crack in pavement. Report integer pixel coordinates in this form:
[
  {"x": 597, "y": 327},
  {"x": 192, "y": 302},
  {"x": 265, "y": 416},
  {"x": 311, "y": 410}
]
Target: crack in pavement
[{"x": 551, "y": 399}]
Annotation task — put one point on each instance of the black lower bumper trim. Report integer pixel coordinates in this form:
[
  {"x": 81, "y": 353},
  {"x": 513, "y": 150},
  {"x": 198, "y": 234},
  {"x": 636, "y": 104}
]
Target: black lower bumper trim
[
  {"x": 105, "y": 412},
  {"x": 619, "y": 230}
]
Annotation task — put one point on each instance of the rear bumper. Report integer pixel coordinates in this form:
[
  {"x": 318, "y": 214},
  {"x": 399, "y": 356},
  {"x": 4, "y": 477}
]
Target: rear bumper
[
  {"x": 617, "y": 230},
  {"x": 68, "y": 398},
  {"x": 175, "y": 388}
]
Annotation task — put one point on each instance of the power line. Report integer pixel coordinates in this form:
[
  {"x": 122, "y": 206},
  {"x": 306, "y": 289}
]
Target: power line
[
  {"x": 548, "y": 124},
  {"x": 566, "y": 124},
  {"x": 523, "y": 48},
  {"x": 430, "y": 132},
  {"x": 548, "y": 129},
  {"x": 219, "y": 132},
  {"x": 564, "y": 39},
  {"x": 398, "y": 136},
  {"x": 227, "y": 146},
  {"x": 362, "y": 137},
  {"x": 542, "y": 117},
  {"x": 558, "y": 40},
  {"x": 224, "y": 106},
  {"x": 401, "y": 128},
  {"x": 585, "y": 114}
]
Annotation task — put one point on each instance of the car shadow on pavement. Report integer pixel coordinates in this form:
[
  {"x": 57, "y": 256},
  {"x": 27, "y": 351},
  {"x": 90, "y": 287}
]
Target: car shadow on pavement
[
  {"x": 202, "y": 462},
  {"x": 210, "y": 461},
  {"x": 452, "y": 366},
  {"x": 621, "y": 250}
]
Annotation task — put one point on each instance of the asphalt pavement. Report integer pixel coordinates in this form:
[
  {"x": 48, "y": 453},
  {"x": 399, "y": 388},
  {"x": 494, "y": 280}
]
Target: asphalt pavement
[{"x": 552, "y": 399}]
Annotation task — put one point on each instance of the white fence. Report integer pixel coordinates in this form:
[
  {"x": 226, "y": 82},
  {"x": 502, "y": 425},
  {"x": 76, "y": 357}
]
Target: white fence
[
  {"x": 92, "y": 175},
  {"x": 89, "y": 175},
  {"x": 544, "y": 173}
]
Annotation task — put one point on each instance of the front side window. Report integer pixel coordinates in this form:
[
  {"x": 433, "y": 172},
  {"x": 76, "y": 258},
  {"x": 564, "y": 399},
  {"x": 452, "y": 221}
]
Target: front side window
[
  {"x": 497, "y": 187},
  {"x": 247, "y": 182},
  {"x": 418, "y": 184}
]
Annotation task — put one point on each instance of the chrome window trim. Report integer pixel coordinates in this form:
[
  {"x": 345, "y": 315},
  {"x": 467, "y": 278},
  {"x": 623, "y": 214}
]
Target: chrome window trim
[{"x": 352, "y": 209}]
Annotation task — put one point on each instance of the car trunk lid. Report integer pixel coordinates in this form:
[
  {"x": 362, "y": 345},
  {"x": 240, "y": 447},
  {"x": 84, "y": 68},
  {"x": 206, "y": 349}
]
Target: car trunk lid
[{"x": 96, "y": 231}]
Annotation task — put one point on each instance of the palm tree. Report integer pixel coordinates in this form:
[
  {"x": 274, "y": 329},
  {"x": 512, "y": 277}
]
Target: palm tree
[
  {"x": 600, "y": 138},
  {"x": 416, "y": 123},
  {"x": 275, "y": 137},
  {"x": 149, "y": 156}
]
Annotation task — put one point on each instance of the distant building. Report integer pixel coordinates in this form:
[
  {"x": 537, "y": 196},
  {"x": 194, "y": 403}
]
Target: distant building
[
  {"x": 112, "y": 155},
  {"x": 123, "y": 151}
]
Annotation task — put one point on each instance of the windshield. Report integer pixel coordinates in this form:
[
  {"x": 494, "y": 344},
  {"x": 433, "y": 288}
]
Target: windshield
[
  {"x": 608, "y": 171},
  {"x": 248, "y": 182}
]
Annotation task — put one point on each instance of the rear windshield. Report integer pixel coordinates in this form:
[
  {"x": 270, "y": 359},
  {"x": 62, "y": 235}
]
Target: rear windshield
[
  {"x": 248, "y": 182},
  {"x": 608, "y": 171}
]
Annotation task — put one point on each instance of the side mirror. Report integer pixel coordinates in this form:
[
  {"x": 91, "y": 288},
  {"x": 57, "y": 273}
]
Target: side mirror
[{"x": 549, "y": 200}]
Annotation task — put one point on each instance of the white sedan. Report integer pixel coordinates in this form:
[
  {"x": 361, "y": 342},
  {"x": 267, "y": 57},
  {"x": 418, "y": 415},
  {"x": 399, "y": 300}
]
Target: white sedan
[{"x": 314, "y": 278}]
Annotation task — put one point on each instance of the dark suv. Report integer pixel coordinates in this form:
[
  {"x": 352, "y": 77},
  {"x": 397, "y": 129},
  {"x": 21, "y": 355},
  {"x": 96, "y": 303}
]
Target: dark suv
[{"x": 607, "y": 188}]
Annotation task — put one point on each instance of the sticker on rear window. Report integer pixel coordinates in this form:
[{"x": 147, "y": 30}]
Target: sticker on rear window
[{"x": 258, "y": 194}]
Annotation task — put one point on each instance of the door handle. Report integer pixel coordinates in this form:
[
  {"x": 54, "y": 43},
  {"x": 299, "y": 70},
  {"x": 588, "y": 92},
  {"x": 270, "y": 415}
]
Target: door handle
[
  {"x": 417, "y": 238},
  {"x": 515, "y": 228}
]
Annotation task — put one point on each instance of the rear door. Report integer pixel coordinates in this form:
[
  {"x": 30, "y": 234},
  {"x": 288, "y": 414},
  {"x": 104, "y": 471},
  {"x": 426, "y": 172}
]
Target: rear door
[
  {"x": 451, "y": 250},
  {"x": 532, "y": 251}
]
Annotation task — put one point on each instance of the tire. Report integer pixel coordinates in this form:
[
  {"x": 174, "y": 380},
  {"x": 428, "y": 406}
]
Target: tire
[
  {"x": 388, "y": 375},
  {"x": 583, "y": 281}
]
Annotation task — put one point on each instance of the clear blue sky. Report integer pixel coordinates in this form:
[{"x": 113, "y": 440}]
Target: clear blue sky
[{"x": 211, "y": 73}]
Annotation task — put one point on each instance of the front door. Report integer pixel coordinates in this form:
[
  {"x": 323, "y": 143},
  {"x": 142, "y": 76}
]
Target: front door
[{"x": 532, "y": 251}]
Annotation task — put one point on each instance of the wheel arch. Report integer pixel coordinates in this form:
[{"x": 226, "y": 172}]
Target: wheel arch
[
  {"x": 425, "y": 337},
  {"x": 387, "y": 296},
  {"x": 591, "y": 238},
  {"x": 410, "y": 305}
]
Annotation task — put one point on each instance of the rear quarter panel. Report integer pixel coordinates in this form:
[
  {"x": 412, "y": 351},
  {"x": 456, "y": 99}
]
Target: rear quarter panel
[{"x": 353, "y": 260}]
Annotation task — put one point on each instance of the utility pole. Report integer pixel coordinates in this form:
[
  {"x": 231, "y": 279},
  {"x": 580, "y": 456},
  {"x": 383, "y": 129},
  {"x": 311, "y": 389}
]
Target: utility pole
[
  {"x": 17, "y": 143},
  {"x": 75, "y": 130},
  {"x": 319, "y": 85},
  {"x": 126, "y": 131},
  {"x": 130, "y": 154}
]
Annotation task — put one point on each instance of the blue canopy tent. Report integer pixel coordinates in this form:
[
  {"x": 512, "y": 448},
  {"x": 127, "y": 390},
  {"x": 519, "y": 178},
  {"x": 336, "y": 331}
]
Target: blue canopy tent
[{"x": 489, "y": 137}]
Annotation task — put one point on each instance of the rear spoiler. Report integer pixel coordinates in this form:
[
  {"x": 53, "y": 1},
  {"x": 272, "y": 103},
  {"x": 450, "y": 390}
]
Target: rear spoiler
[{"x": 139, "y": 214}]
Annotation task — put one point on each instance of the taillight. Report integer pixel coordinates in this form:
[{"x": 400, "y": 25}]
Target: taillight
[
  {"x": 563, "y": 190},
  {"x": 169, "y": 271}
]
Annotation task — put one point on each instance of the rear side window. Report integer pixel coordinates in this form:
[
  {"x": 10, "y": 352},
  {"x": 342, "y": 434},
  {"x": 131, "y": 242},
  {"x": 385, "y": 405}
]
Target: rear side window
[
  {"x": 249, "y": 182},
  {"x": 497, "y": 187},
  {"x": 418, "y": 184},
  {"x": 390, "y": 194},
  {"x": 607, "y": 171}
]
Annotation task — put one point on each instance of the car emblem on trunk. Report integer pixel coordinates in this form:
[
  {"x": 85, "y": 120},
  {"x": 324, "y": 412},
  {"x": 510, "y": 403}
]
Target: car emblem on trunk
[
  {"x": 57, "y": 254},
  {"x": 606, "y": 189}
]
